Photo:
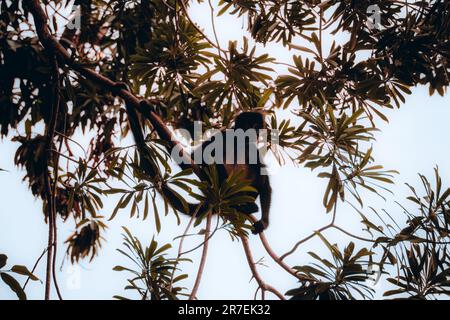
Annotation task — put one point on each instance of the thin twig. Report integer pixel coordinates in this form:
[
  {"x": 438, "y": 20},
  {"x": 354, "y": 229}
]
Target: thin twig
[
  {"x": 206, "y": 239},
  {"x": 72, "y": 140},
  {"x": 312, "y": 235},
  {"x": 219, "y": 49},
  {"x": 180, "y": 247},
  {"x": 34, "y": 267},
  {"x": 183, "y": 7},
  {"x": 352, "y": 235}
]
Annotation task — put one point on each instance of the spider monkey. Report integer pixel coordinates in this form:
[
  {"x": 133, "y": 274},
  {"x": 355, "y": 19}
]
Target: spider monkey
[{"x": 252, "y": 171}]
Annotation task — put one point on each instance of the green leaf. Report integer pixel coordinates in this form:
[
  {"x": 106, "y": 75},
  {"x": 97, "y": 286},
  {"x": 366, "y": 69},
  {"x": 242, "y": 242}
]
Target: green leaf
[
  {"x": 180, "y": 277},
  {"x": 155, "y": 212},
  {"x": 146, "y": 206},
  {"x": 120, "y": 268},
  {"x": 24, "y": 271},
  {"x": 3, "y": 259},
  {"x": 165, "y": 247},
  {"x": 14, "y": 285},
  {"x": 393, "y": 292},
  {"x": 301, "y": 48}
]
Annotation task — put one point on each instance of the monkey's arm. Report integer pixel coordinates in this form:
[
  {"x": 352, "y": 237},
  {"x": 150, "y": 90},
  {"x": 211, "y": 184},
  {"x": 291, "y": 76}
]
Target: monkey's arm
[
  {"x": 146, "y": 109},
  {"x": 150, "y": 167},
  {"x": 265, "y": 198},
  {"x": 146, "y": 163}
]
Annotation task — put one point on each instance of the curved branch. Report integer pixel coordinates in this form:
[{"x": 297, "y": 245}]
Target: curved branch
[
  {"x": 203, "y": 259},
  {"x": 275, "y": 257},
  {"x": 205, "y": 239},
  {"x": 264, "y": 286},
  {"x": 56, "y": 106},
  {"x": 352, "y": 235},
  {"x": 312, "y": 235}
]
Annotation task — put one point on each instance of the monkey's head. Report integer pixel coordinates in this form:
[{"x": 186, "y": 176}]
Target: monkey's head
[{"x": 250, "y": 120}]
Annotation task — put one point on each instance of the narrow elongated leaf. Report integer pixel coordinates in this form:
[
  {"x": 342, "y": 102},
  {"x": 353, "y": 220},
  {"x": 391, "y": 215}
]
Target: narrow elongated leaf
[
  {"x": 14, "y": 285},
  {"x": 24, "y": 271}
]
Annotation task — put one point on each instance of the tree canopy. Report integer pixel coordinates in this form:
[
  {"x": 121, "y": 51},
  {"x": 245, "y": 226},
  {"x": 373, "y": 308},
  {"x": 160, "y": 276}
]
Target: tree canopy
[{"x": 60, "y": 62}]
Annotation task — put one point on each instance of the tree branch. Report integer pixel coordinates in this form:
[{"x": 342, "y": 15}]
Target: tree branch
[
  {"x": 312, "y": 235},
  {"x": 34, "y": 267},
  {"x": 264, "y": 286},
  {"x": 56, "y": 105},
  {"x": 275, "y": 257},
  {"x": 180, "y": 247},
  {"x": 50, "y": 43},
  {"x": 49, "y": 190},
  {"x": 203, "y": 259}
]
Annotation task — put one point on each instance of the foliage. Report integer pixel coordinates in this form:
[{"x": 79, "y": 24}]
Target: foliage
[
  {"x": 154, "y": 279},
  {"x": 422, "y": 245},
  {"x": 10, "y": 281},
  {"x": 419, "y": 250},
  {"x": 336, "y": 98},
  {"x": 426, "y": 273},
  {"x": 335, "y": 281},
  {"x": 225, "y": 198}
]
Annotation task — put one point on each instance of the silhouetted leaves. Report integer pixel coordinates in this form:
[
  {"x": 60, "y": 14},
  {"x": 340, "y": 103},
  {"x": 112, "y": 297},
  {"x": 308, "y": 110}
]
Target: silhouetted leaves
[
  {"x": 10, "y": 281},
  {"x": 336, "y": 100},
  {"x": 340, "y": 279},
  {"x": 86, "y": 240},
  {"x": 427, "y": 273},
  {"x": 153, "y": 274}
]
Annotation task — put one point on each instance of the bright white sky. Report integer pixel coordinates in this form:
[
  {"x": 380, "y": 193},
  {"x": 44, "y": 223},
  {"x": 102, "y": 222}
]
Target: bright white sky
[{"x": 414, "y": 141}]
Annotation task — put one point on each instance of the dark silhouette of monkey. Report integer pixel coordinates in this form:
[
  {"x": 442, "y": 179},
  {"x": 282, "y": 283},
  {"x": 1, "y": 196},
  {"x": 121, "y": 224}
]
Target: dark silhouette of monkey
[
  {"x": 252, "y": 170},
  {"x": 245, "y": 157}
]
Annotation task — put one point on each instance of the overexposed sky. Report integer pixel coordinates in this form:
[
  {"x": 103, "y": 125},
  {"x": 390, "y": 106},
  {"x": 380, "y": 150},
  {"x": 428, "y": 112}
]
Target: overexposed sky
[{"x": 415, "y": 140}]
